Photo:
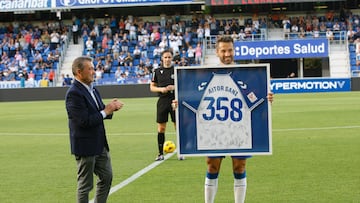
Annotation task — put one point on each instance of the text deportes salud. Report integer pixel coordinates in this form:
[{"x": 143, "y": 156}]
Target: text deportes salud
[{"x": 281, "y": 50}]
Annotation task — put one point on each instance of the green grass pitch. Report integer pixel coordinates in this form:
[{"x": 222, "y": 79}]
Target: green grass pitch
[{"x": 316, "y": 155}]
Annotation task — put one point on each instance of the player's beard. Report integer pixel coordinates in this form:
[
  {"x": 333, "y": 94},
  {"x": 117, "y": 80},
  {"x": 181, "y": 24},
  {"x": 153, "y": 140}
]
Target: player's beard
[{"x": 227, "y": 60}]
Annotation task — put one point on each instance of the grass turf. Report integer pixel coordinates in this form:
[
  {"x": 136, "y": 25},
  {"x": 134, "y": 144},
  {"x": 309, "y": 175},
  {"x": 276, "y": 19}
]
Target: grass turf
[{"x": 315, "y": 157}]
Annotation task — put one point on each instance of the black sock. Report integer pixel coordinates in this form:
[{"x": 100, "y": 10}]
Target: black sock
[{"x": 161, "y": 140}]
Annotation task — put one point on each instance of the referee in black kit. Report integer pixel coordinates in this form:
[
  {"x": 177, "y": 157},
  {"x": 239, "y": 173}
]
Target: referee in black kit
[{"x": 163, "y": 82}]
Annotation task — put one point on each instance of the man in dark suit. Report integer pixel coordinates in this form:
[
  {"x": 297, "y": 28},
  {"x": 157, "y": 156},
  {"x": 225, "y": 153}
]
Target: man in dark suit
[{"x": 86, "y": 113}]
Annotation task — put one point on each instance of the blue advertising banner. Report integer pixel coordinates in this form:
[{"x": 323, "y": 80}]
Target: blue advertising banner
[
  {"x": 102, "y": 3},
  {"x": 310, "y": 85},
  {"x": 304, "y": 48},
  {"x": 223, "y": 110},
  {"x": 24, "y": 5}
]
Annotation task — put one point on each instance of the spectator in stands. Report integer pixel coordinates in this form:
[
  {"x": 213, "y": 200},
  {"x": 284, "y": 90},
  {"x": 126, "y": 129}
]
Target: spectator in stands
[
  {"x": 51, "y": 77},
  {"x": 213, "y": 26},
  {"x": 173, "y": 44},
  {"x": 89, "y": 45},
  {"x": 99, "y": 73},
  {"x": 121, "y": 58},
  {"x": 23, "y": 63},
  {"x": 180, "y": 38},
  {"x": 109, "y": 58},
  {"x": 8, "y": 75},
  {"x": 37, "y": 57},
  {"x": 132, "y": 32},
  {"x": 183, "y": 62},
  {"x": 45, "y": 37},
  {"x": 64, "y": 37},
  {"x": 322, "y": 27},
  {"x": 198, "y": 53},
  {"x": 286, "y": 26},
  {"x": 107, "y": 66},
  {"x": 124, "y": 43},
  {"x": 118, "y": 73},
  {"x": 100, "y": 53},
  {"x": 98, "y": 63},
  {"x": 144, "y": 48},
  {"x": 302, "y": 33},
  {"x": 25, "y": 74},
  {"x": 75, "y": 32},
  {"x": 12, "y": 47},
  {"x": 137, "y": 53},
  {"x": 316, "y": 33},
  {"x": 128, "y": 58},
  {"x": 155, "y": 37},
  {"x": 5, "y": 58},
  {"x": 46, "y": 49},
  {"x": 200, "y": 33},
  {"x": 187, "y": 39},
  {"x": 336, "y": 27},
  {"x": 146, "y": 37},
  {"x": 330, "y": 15},
  {"x": 148, "y": 64},
  {"x": 190, "y": 54},
  {"x": 54, "y": 40},
  {"x": 157, "y": 52},
  {"x": 248, "y": 31},
  {"x": 350, "y": 34},
  {"x": 155, "y": 64},
  {"x": 31, "y": 75},
  {"x": 176, "y": 58},
  {"x": 234, "y": 35},
  {"x": 37, "y": 44},
  {"x": 294, "y": 28},
  {"x": 13, "y": 67},
  {"x": 57, "y": 55},
  {"x": 104, "y": 42},
  {"x": 163, "y": 45},
  {"x": 115, "y": 50},
  {"x": 51, "y": 57},
  {"x": 241, "y": 35},
  {"x": 121, "y": 25},
  {"x": 44, "y": 82},
  {"x": 329, "y": 34},
  {"x": 18, "y": 56},
  {"x": 93, "y": 36},
  {"x": 308, "y": 26}
]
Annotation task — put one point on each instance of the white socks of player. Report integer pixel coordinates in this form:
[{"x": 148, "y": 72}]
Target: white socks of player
[
  {"x": 211, "y": 186},
  {"x": 239, "y": 190}
]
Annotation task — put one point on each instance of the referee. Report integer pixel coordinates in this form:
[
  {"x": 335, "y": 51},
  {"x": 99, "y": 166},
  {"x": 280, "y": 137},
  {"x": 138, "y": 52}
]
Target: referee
[{"x": 162, "y": 82}]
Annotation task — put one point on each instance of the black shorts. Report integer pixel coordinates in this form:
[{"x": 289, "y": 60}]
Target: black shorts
[{"x": 163, "y": 110}]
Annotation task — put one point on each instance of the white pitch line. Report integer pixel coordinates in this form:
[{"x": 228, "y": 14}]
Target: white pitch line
[{"x": 137, "y": 175}]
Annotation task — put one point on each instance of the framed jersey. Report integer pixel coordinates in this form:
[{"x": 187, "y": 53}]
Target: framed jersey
[{"x": 223, "y": 110}]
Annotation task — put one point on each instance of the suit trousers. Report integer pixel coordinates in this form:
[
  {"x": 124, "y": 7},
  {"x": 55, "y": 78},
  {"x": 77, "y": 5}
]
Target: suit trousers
[{"x": 99, "y": 165}]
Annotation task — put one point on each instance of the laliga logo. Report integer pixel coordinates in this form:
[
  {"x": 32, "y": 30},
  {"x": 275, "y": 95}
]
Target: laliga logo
[{"x": 68, "y": 2}]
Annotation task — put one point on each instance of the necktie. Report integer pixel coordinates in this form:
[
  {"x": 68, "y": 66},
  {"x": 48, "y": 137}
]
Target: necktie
[{"x": 94, "y": 98}]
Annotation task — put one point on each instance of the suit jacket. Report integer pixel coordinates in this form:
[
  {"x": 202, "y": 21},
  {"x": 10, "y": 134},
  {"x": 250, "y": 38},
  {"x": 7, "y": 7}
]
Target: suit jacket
[{"x": 86, "y": 123}]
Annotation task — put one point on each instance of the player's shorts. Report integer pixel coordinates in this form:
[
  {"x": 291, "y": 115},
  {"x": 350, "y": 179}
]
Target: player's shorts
[
  {"x": 164, "y": 108},
  {"x": 235, "y": 157}
]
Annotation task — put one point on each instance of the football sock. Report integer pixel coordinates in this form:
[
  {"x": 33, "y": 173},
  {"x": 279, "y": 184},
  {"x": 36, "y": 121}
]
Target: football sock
[
  {"x": 161, "y": 140},
  {"x": 239, "y": 187},
  {"x": 211, "y": 186}
]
